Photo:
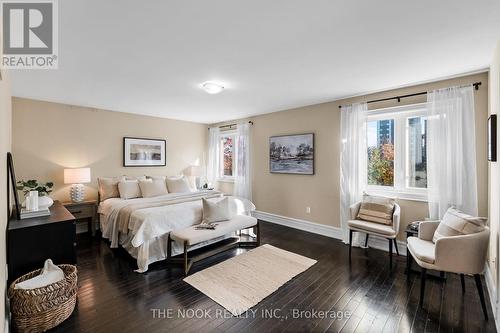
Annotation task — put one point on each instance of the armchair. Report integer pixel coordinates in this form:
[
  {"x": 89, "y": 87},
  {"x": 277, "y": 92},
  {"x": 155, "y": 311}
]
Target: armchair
[
  {"x": 463, "y": 254},
  {"x": 389, "y": 232}
]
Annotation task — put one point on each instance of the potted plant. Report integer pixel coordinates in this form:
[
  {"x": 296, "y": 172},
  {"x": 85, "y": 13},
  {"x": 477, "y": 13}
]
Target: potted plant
[{"x": 44, "y": 189}]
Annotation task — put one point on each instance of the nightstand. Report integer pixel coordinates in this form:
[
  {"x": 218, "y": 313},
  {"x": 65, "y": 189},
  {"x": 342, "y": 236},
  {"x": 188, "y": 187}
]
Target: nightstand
[
  {"x": 86, "y": 210},
  {"x": 31, "y": 241}
]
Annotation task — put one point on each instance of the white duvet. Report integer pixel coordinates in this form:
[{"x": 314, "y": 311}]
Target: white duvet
[{"x": 148, "y": 228}]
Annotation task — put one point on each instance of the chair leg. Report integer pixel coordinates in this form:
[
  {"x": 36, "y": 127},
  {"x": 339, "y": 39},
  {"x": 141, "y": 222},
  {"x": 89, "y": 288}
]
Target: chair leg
[
  {"x": 462, "y": 281},
  {"x": 396, "y": 246},
  {"x": 390, "y": 254},
  {"x": 408, "y": 264},
  {"x": 479, "y": 286},
  {"x": 350, "y": 244},
  {"x": 366, "y": 240},
  {"x": 423, "y": 276}
]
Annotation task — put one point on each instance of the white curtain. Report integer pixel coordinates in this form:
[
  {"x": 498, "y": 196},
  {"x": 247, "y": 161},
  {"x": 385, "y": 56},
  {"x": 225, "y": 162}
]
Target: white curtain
[
  {"x": 213, "y": 155},
  {"x": 242, "y": 181},
  {"x": 353, "y": 162},
  {"x": 451, "y": 151}
]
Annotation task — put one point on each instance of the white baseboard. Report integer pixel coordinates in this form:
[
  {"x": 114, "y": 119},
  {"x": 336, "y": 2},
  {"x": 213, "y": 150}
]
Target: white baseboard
[
  {"x": 492, "y": 292},
  {"x": 324, "y": 230}
]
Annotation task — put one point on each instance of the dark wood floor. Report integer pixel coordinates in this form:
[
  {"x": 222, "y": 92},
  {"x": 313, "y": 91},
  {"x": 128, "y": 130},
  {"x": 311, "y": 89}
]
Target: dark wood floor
[{"x": 112, "y": 298}]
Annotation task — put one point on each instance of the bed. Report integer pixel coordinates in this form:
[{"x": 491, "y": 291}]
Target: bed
[{"x": 142, "y": 225}]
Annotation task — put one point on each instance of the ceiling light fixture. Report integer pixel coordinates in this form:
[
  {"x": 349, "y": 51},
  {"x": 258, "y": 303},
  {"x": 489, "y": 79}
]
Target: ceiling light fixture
[{"x": 212, "y": 87}]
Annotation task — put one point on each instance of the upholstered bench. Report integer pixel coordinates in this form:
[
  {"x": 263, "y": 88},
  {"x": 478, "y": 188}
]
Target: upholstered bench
[{"x": 190, "y": 237}]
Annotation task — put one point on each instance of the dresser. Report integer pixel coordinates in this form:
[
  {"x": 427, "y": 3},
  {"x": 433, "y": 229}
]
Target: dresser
[
  {"x": 84, "y": 211},
  {"x": 31, "y": 241}
]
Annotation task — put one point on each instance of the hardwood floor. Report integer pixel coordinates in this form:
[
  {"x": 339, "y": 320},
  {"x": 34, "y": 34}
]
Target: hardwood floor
[{"x": 112, "y": 298}]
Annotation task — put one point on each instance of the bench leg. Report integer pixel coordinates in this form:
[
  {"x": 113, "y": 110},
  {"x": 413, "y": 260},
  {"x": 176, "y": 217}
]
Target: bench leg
[
  {"x": 186, "y": 267},
  {"x": 258, "y": 232}
]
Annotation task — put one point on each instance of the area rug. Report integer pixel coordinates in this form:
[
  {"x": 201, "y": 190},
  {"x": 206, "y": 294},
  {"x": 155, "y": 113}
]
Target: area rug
[{"x": 243, "y": 281}]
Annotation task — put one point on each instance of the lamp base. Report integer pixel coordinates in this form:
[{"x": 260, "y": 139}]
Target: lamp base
[{"x": 77, "y": 193}]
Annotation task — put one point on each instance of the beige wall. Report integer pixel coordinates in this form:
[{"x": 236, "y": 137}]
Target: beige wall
[
  {"x": 289, "y": 195},
  {"x": 48, "y": 137},
  {"x": 5, "y": 146},
  {"x": 494, "y": 168}
]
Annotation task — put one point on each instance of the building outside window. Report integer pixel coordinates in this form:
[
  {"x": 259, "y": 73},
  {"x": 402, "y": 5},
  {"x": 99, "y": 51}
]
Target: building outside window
[{"x": 397, "y": 152}]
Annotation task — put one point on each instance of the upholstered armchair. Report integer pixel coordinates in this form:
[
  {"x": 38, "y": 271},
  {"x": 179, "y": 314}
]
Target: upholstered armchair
[
  {"x": 462, "y": 254},
  {"x": 388, "y": 232}
]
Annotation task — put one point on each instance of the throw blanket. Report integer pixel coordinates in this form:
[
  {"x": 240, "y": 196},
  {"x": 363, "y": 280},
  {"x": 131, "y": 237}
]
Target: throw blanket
[{"x": 123, "y": 216}]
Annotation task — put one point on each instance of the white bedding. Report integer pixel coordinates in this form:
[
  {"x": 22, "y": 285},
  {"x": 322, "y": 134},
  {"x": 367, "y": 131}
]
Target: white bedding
[{"x": 148, "y": 228}]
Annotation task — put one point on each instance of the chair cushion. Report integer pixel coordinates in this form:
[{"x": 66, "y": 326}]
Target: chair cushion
[
  {"x": 193, "y": 236},
  {"x": 456, "y": 223},
  {"x": 421, "y": 249},
  {"x": 376, "y": 209},
  {"x": 371, "y": 227}
]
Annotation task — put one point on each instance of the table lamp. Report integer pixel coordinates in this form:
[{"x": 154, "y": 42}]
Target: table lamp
[
  {"x": 196, "y": 172},
  {"x": 77, "y": 177}
]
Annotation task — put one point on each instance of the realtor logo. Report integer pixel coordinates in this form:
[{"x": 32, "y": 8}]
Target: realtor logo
[{"x": 29, "y": 34}]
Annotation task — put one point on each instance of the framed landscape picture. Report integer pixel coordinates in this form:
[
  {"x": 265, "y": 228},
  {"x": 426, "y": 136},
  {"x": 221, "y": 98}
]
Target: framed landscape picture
[
  {"x": 292, "y": 154},
  {"x": 139, "y": 152}
]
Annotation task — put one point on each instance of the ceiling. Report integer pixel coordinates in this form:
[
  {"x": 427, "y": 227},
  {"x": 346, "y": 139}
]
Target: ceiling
[{"x": 150, "y": 57}]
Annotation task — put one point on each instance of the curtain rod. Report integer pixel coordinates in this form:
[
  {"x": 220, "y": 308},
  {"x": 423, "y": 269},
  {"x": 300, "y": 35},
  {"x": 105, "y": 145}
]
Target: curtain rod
[
  {"x": 475, "y": 84},
  {"x": 231, "y": 125}
]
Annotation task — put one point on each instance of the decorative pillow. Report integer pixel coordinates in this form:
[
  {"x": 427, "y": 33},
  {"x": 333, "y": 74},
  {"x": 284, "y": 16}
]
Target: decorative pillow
[
  {"x": 50, "y": 274},
  {"x": 376, "y": 209},
  {"x": 129, "y": 189},
  {"x": 215, "y": 211},
  {"x": 456, "y": 223},
  {"x": 152, "y": 188},
  {"x": 157, "y": 177},
  {"x": 178, "y": 185},
  {"x": 135, "y": 177},
  {"x": 108, "y": 187}
]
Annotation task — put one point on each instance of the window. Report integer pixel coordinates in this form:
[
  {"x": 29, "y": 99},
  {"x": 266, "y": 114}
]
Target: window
[
  {"x": 380, "y": 139},
  {"x": 226, "y": 171},
  {"x": 397, "y": 152}
]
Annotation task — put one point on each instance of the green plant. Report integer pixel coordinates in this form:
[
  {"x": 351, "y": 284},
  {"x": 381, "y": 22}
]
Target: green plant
[
  {"x": 33, "y": 185},
  {"x": 381, "y": 165}
]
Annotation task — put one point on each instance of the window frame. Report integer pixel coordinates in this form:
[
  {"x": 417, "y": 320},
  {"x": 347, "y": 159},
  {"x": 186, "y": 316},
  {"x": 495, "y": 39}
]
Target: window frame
[
  {"x": 220, "y": 173},
  {"x": 400, "y": 114}
]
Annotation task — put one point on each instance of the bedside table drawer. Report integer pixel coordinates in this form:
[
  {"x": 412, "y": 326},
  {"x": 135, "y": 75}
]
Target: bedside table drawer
[{"x": 82, "y": 212}]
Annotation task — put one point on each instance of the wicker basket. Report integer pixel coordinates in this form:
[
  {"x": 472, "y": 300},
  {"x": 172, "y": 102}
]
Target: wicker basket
[{"x": 40, "y": 309}]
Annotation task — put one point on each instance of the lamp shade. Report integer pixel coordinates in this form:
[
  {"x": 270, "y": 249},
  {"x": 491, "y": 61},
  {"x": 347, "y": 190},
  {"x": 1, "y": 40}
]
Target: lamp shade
[
  {"x": 194, "y": 171},
  {"x": 77, "y": 176}
]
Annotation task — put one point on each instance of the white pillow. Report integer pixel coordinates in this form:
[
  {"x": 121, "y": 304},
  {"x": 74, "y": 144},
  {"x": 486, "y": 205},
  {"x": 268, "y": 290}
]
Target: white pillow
[
  {"x": 50, "y": 274},
  {"x": 178, "y": 185},
  {"x": 455, "y": 223},
  {"x": 216, "y": 211},
  {"x": 157, "y": 177},
  {"x": 108, "y": 187},
  {"x": 152, "y": 188},
  {"x": 129, "y": 189}
]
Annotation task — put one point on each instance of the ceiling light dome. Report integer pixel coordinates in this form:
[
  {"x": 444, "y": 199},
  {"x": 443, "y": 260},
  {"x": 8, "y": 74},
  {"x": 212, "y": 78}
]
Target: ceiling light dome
[{"x": 212, "y": 87}]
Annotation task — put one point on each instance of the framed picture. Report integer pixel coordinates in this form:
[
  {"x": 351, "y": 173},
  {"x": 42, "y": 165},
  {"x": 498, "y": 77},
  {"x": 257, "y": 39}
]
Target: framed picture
[
  {"x": 492, "y": 138},
  {"x": 140, "y": 152},
  {"x": 292, "y": 154}
]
